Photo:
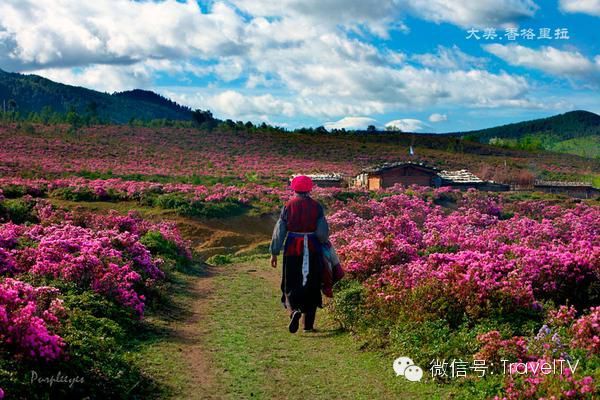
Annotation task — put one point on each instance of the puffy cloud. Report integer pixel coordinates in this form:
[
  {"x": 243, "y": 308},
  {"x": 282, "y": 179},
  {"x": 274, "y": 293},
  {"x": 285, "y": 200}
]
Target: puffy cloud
[
  {"x": 234, "y": 105},
  {"x": 435, "y": 117},
  {"x": 42, "y": 33},
  {"x": 378, "y": 16},
  {"x": 591, "y": 7},
  {"x": 314, "y": 57},
  {"x": 104, "y": 78},
  {"x": 351, "y": 123},
  {"x": 472, "y": 13},
  {"x": 449, "y": 58},
  {"x": 112, "y": 78},
  {"x": 566, "y": 64},
  {"x": 407, "y": 124}
]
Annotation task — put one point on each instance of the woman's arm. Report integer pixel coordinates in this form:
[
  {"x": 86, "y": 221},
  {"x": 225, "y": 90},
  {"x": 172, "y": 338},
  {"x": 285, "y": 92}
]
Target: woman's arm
[
  {"x": 279, "y": 233},
  {"x": 322, "y": 231}
]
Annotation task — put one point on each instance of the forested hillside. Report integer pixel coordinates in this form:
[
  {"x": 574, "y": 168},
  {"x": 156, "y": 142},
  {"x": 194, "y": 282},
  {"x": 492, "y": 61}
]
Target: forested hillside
[{"x": 30, "y": 93}]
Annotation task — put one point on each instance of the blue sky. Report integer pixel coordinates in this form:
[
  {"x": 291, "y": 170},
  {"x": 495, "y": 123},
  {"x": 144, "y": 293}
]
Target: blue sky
[{"x": 338, "y": 63}]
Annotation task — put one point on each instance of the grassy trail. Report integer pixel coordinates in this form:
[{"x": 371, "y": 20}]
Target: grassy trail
[{"x": 235, "y": 345}]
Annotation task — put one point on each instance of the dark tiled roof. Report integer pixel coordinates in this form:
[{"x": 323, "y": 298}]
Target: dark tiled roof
[
  {"x": 323, "y": 177},
  {"x": 460, "y": 176},
  {"x": 386, "y": 166},
  {"x": 563, "y": 184}
]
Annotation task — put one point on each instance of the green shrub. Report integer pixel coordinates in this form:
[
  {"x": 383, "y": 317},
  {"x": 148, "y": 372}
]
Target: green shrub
[
  {"x": 13, "y": 191},
  {"x": 158, "y": 245},
  {"x": 220, "y": 259},
  {"x": 18, "y": 211},
  {"x": 348, "y": 303},
  {"x": 74, "y": 194},
  {"x": 197, "y": 208},
  {"x": 223, "y": 209}
]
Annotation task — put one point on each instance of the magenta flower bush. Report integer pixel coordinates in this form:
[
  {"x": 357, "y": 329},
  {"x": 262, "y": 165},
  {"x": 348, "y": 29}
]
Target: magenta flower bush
[
  {"x": 103, "y": 254},
  {"x": 586, "y": 332},
  {"x": 473, "y": 255},
  {"x": 29, "y": 317},
  {"x": 481, "y": 262},
  {"x": 106, "y": 257}
]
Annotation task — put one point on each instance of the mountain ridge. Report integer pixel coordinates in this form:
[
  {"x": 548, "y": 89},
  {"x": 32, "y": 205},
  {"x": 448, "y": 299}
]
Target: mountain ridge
[
  {"x": 568, "y": 125},
  {"x": 33, "y": 93},
  {"x": 574, "y": 132}
]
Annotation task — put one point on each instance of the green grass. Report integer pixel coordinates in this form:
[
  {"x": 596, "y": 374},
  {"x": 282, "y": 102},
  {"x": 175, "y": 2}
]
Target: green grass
[
  {"x": 586, "y": 146},
  {"x": 258, "y": 358}
]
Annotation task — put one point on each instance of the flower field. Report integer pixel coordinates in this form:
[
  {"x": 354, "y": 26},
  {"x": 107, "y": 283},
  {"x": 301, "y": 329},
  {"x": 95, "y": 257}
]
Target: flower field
[
  {"x": 169, "y": 153},
  {"x": 70, "y": 283},
  {"x": 481, "y": 280},
  {"x": 436, "y": 274}
]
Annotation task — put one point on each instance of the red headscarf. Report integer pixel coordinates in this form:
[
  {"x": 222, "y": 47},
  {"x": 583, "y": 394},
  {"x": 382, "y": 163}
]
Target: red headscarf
[{"x": 302, "y": 184}]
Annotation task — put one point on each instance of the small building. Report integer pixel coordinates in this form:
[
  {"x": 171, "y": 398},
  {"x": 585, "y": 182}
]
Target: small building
[
  {"x": 412, "y": 173},
  {"x": 463, "y": 179},
  {"x": 580, "y": 190},
  {"x": 326, "y": 180},
  {"x": 403, "y": 173}
]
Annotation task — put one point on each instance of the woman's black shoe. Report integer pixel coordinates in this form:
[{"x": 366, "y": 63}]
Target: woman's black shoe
[{"x": 295, "y": 321}]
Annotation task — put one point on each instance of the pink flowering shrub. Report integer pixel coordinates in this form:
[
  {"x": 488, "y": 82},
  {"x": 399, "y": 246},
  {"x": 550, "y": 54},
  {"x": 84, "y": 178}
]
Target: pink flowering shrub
[
  {"x": 563, "y": 316},
  {"x": 484, "y": 270},
  {"x": 476, "y": 258},
  {"x": 494, "y": 348},
  {"x": 101, "y": 253},
  {"x": 586, "y": 332},
  {"x": 105, "y": 270},
  {"x": 29, "y": 317},
  {"x": 563, "y": 385}
]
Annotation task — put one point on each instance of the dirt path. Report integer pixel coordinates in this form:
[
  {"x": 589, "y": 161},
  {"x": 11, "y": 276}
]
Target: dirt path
[{"x": 197, "y": 359}]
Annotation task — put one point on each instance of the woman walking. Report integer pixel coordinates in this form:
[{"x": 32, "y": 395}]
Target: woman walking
[{"x": 303, "y": 228}]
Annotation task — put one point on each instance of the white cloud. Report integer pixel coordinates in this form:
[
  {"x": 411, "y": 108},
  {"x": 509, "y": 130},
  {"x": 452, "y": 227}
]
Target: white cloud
[
  {"x": 378, "y": 16},
  {"x": 407, "y": 124},
  {"x": 42, "y": 33},
  {"x": 351, "y": 123},
  {"x": 591, "y": 7},
  {"x": 314, "y": 58},
  {"x": 233, "y": 104},
  {"x": 112, "y": 78},
  {"x": 472, "y": 13},
  {"x": 105, "y": 78},
  {"x": 565, "y": 64},
  {"x": 435, "y": 117},
  {"x": 449, "y": 58}
]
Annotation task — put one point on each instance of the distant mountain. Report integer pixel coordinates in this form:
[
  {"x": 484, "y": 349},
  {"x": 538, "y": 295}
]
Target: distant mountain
[
  {"x": 574, "y": 132},
  {"x": 565, "y": 126},
  {"x": 32, "y": 93}
]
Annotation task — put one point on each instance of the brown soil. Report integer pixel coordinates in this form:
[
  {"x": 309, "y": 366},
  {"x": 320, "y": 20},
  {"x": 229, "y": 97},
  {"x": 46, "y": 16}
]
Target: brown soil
[
  {"x": 190, "y": 333},
  {"x": 232, "y": 235}
]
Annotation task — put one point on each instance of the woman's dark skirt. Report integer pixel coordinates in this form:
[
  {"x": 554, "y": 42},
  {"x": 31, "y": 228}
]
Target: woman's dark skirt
[{"x": 301, "y": 297}]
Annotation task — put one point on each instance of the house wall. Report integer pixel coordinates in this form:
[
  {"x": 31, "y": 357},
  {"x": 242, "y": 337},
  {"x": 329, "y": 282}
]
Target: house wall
[
  {"x": 361, "y": 180},
  {"x": 407, "y": 176},
  {"x": 374, "y": 183}
]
